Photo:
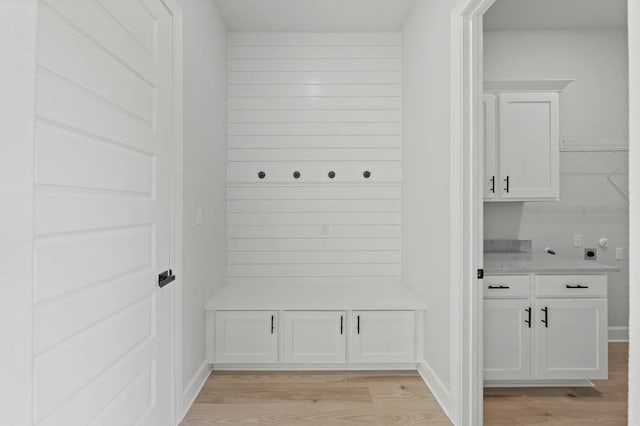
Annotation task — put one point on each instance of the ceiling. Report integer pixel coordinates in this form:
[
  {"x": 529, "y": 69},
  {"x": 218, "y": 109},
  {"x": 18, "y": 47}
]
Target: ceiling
[
  {"x": 556, "y": 15},
  {"x": 315, "y": 15}
]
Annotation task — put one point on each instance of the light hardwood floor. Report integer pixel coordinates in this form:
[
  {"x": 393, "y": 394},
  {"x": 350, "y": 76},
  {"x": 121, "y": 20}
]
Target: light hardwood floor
[
  {"x": 398, "y": 398},
  {"x": 316, "y": 398},
  {"x": 603, "y": 405}
]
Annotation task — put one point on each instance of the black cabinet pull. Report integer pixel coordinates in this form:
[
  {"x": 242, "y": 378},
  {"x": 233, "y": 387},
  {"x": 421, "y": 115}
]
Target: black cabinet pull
[
  {"x": 493, "y": 184},
  {"x": 272, "y": 324},
  {"x": 341, "y": 324},
  {"x": 499, "y": 287},
  {"x": 358, "y": 325},
  {"x": 545, "y": 321},
  {"x": 528, "y": 320},
  {"x": 577, "y": 286},
  {"x": 507, "y": 182}
]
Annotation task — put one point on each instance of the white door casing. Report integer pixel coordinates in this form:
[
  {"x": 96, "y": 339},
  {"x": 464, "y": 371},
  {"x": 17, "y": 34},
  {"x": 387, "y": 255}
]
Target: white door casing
[{"x": 104, "y": 130}]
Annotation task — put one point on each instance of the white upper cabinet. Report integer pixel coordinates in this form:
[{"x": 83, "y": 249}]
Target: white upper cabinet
[
  {"x": 522, "y": 141},
  {"x": 529, "y": 146},
  {"x": 490, "y": 146}
]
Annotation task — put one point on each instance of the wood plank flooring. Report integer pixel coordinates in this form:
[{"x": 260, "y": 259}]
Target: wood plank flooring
[
  {"x": 398, "y": 398},
  {"x": 316, "y": 399},
  {"x": 603, "y": 405}
]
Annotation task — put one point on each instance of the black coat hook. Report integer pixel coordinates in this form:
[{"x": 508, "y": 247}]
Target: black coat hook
[
  {"x": 296, "y": 174},
  {"x": 366, "y": 174},
  {"x": 261, "y": 174},
  {"x": 332, "y": 174}
]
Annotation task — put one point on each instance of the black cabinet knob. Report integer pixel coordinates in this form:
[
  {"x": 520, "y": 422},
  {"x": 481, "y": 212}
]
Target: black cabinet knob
[
  {"x": 366, "y": 174},
  {"x": 296, "y": 174},
  {"x": 261, "y": 175},
  {"x": 332, "y": 174}
]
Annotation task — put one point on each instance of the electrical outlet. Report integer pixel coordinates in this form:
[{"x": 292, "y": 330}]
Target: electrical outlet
[
  {"x": 619, "y": 253},
  {"x": 577, "y": 240}
]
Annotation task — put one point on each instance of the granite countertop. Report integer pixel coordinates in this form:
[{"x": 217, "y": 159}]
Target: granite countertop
[{"x": 542, "y": 263}]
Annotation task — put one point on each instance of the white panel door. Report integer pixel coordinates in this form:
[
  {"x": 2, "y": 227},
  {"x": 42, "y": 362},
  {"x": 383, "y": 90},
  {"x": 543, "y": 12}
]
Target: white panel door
[
  {"x": 246, "y": 337},
  {"x": 529, "y": 144},
  {"x": 314, "y": 337},
  {"x": 507, "y": 339},
  {"x": 490, "y": 146},
  {"x": 102, "y": 212},
  {"x": 382, "y": 336},
  {"x": 571, "y": 339}
]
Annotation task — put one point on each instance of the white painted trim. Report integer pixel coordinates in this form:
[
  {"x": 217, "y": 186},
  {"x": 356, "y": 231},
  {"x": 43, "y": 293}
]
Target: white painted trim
[
  {"x": 435, "y": 385},
  {"x": 466, "y": 211},
  {"x": 540, "y": 384},
  {"x": 175, "y": 304},
  {"x": 618, "y": 334},
  {"x": 527, "y": 85},
  {"x": 280, "y": 366},
  {"x": 194, "y": 387}
]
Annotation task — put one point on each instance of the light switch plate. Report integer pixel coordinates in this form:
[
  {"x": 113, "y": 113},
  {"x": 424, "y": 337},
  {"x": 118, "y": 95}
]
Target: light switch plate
[
  {"x": 619, "y": 253},
  {"x": 577, "y": 240}
]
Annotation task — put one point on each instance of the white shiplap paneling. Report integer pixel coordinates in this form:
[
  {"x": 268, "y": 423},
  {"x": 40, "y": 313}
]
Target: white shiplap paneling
[{"x": 314, "y": 103}]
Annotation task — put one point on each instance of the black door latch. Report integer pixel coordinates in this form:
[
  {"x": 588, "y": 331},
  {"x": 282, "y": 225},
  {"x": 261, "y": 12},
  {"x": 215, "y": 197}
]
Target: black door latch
[
  {"x": 165, "y": 278},
  {"x": 480, "y": 274}
]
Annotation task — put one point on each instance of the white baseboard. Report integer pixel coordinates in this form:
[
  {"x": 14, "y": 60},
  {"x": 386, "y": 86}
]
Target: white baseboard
[
  {"x": 315, "y": 367},
  {"x": 618, "y": 334},
  {"x": 435, "y": 385},
  {"x": 195, "y": 385}
]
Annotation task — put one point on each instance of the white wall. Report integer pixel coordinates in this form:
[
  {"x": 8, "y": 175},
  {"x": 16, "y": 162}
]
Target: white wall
[
  {"x": 634, "y": 183},
  {"x": 594, "y": 106},
  {"x": 426, "y": 177},
  {"x": 314, "y": 103},
  {"x": 205, "y": 129},
  {"x": 17, "y": 78}
]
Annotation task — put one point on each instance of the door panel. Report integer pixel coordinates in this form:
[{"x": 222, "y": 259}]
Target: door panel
[
  {"x": 382, "y": 336},
  {"x": 529, "y": 144},
  {"x": 246, "y": 337},
  {"x": 102, "y": 212},
  {"x": 573, "y": 343},
  {"x": 507, "y": 340},
  {"x": 314, "y": 337}
]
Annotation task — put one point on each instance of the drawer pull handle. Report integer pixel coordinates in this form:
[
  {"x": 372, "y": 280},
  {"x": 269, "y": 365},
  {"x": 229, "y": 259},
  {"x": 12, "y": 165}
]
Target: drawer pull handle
[
  {"x": 528, "y": 321},
  {"x": 498, "y": 287},
  {"x": 545, "y": 321},
  {"x": 577, "y": 286},
  {"x": 272, "y": 324}
]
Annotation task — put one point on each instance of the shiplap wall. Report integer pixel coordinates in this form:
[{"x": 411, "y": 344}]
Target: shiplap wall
[{"x": 314, "y": 103}]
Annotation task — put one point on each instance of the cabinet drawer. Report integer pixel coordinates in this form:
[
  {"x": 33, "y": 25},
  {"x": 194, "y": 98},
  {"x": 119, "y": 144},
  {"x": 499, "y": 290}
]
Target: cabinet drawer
[
  {"x": 571, "y": 285},
  {"x": 506, "y": 286}
]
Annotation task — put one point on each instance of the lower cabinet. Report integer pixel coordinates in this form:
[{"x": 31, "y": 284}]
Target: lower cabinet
[
  {"x": 246, "y": 336},
  {"x": 553, "y": 330},
  {"x": 507, "y": 339},
  {"x": 381, "y": 336},
  {"x": 314, "y": 337},
  {"x": 569, "y": 339}
]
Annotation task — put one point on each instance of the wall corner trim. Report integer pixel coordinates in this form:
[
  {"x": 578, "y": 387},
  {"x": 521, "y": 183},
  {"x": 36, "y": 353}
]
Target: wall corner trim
[
  {"x": 194, "y": 386},
  {"x": 435, "y": 385}
]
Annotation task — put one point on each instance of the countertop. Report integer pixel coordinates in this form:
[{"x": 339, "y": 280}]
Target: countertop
[{"x": 541, "y": 263}]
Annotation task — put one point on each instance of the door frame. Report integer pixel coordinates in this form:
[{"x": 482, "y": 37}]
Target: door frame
[
  {"x": 176, "y": 409},
  {"x": 466, "y": 156}
]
